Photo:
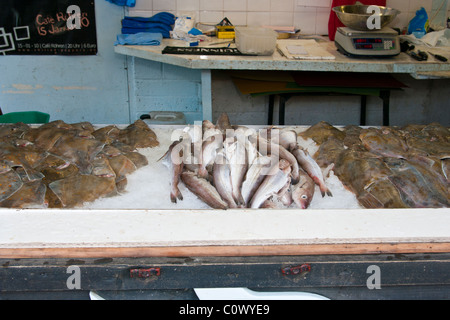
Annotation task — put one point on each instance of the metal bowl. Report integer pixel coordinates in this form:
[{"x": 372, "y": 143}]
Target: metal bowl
[{"x": 355, "y": 16}]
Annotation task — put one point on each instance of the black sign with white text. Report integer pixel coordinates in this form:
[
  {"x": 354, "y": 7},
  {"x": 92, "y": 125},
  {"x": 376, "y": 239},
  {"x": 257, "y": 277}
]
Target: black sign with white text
[{"x": 48, "y": 27}]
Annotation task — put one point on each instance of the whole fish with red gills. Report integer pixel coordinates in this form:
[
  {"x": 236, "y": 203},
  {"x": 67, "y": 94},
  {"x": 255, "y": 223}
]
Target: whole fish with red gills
[
  {"x": 312, "y": 168},
  {"x": 272, "y": 184},
  {"x": 172, "y": 159},
  {"x": 303, "y": 191}
]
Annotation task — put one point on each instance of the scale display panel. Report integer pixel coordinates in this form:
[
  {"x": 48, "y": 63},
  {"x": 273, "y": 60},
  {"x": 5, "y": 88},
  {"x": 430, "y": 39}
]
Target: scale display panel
[{"x": 373, "y": 44}]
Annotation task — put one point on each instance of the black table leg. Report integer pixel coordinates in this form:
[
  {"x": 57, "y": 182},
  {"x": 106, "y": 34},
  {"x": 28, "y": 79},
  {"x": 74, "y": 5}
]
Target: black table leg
[
  {"x": 271, "y": 104},
  {"x": 385, "y": 96},
  {"x": 362, "y": 120},
  {"x": 281, "y": 112}
]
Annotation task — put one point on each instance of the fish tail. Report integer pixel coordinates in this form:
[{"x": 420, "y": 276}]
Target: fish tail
[
  {"x": 239, "y": 199},
  {"x": 176, "y": 194},
  {"x": 323, "y": 188}
]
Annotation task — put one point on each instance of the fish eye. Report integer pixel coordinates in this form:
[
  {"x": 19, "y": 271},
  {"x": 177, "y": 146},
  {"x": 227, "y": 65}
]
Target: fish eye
[{"x": 304, "y": 196}]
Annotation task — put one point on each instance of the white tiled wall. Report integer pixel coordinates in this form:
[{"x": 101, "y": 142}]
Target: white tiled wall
[{"x": 311, "y": 16}]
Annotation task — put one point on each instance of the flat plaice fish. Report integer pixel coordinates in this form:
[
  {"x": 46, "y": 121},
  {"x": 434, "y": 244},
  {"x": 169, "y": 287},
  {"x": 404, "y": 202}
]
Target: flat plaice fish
[
  {"x": 418, "y": 186},
  {"x": 271, "y": 184},
  {"x": 77, "y": 190},
  {"x": 55, "y": 168},
  {"x": 429, "y": 146},
  {"x": 122, "y": 166},
  {"x": 312, "y": 168},
  {"x": 10, "y": 182},
  {"x": 13, "y": 130},
  {"x": 138, "y": 135},
  {"x": 222, "y": 179},
  {"x": 25, "y": 156},
  {"x": 351, "y": 139},
  {"x": 381, "y": 194},
  {"x": 101, "y": 167},
  {"x": 13, "y": 161},
  {"x": 137, "y": 158},
  {"x": 84, "y": 127},
  {"x": 30, "y": 195},
  {"x": 107, "y": 134},
  {"x": 321, "y": 132},
  {"x": 329, "y": 152},
  {"x": 77, "y": 150},
  {"x": 46, "y": 135},
  {"x": 367, "y": 176},
  {"x": 437, "y": 131},
  {"x": 384, "y": 142},
  {"x": 203, "y": 190}
]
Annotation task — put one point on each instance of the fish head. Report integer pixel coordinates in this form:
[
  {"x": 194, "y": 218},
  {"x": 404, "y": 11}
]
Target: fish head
[
  {"x": 302, "y": 195},
  {"x": 304, "y": 202}
]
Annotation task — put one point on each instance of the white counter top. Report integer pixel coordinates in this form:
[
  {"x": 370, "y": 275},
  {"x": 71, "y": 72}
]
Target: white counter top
[{"x": 399, "y": 64}]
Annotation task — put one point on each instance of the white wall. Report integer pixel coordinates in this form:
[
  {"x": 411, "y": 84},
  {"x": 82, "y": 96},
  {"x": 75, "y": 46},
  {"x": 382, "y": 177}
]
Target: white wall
[{"x": 311, "y": 16}]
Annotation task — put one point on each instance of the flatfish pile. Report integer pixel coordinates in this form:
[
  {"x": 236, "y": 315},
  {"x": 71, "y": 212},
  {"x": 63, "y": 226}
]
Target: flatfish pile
[
  {"x": 61, "y": 165},
  {"x": 228, "y": 166},
  {"x": 388, "y": 167}
]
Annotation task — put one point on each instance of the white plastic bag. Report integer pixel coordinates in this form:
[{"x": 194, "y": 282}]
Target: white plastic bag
[{"x": 183, "y": 24}]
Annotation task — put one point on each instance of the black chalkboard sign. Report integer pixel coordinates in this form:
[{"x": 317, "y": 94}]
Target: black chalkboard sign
[{"x": 47, "y": 27}]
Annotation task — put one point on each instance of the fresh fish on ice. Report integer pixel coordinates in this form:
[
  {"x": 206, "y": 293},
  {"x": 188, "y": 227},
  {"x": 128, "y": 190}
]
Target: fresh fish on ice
[
  {"x": 222, "y": 179},
  {"x": 272, "y": 184},
  {"x": 237, "y": 158},
  {"x": 265, "y": 148},
  {"x": 172, "y": 159},
  {"x": 312, "y": 168},
  {"x": 255, "y": 174},
  {"x": 303, "y": 191},
  {"x": 204, "y": 190}
]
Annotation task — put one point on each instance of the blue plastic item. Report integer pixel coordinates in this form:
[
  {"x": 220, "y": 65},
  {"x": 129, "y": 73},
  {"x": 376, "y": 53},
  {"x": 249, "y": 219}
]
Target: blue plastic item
[
  {"x": 128, "y": 3},
  {"x": 161, "y": 22},
  {"x": 129, "y": 31},
  {"x": 418, "y": 26},
  {"x": 141, "y": 38},
  {"x": 162, "y": 17}
]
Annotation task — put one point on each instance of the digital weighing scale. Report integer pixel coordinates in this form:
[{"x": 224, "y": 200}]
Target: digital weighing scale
[{"x": 379, "y": 43}]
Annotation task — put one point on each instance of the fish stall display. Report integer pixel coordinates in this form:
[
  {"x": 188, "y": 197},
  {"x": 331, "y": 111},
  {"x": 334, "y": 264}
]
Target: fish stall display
[
  {"x": 223, "y": 166},
  {"x": 61, "y": 165},
  {"x": 388, "y": 167},
  {"x": 230, "y": 166}
]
